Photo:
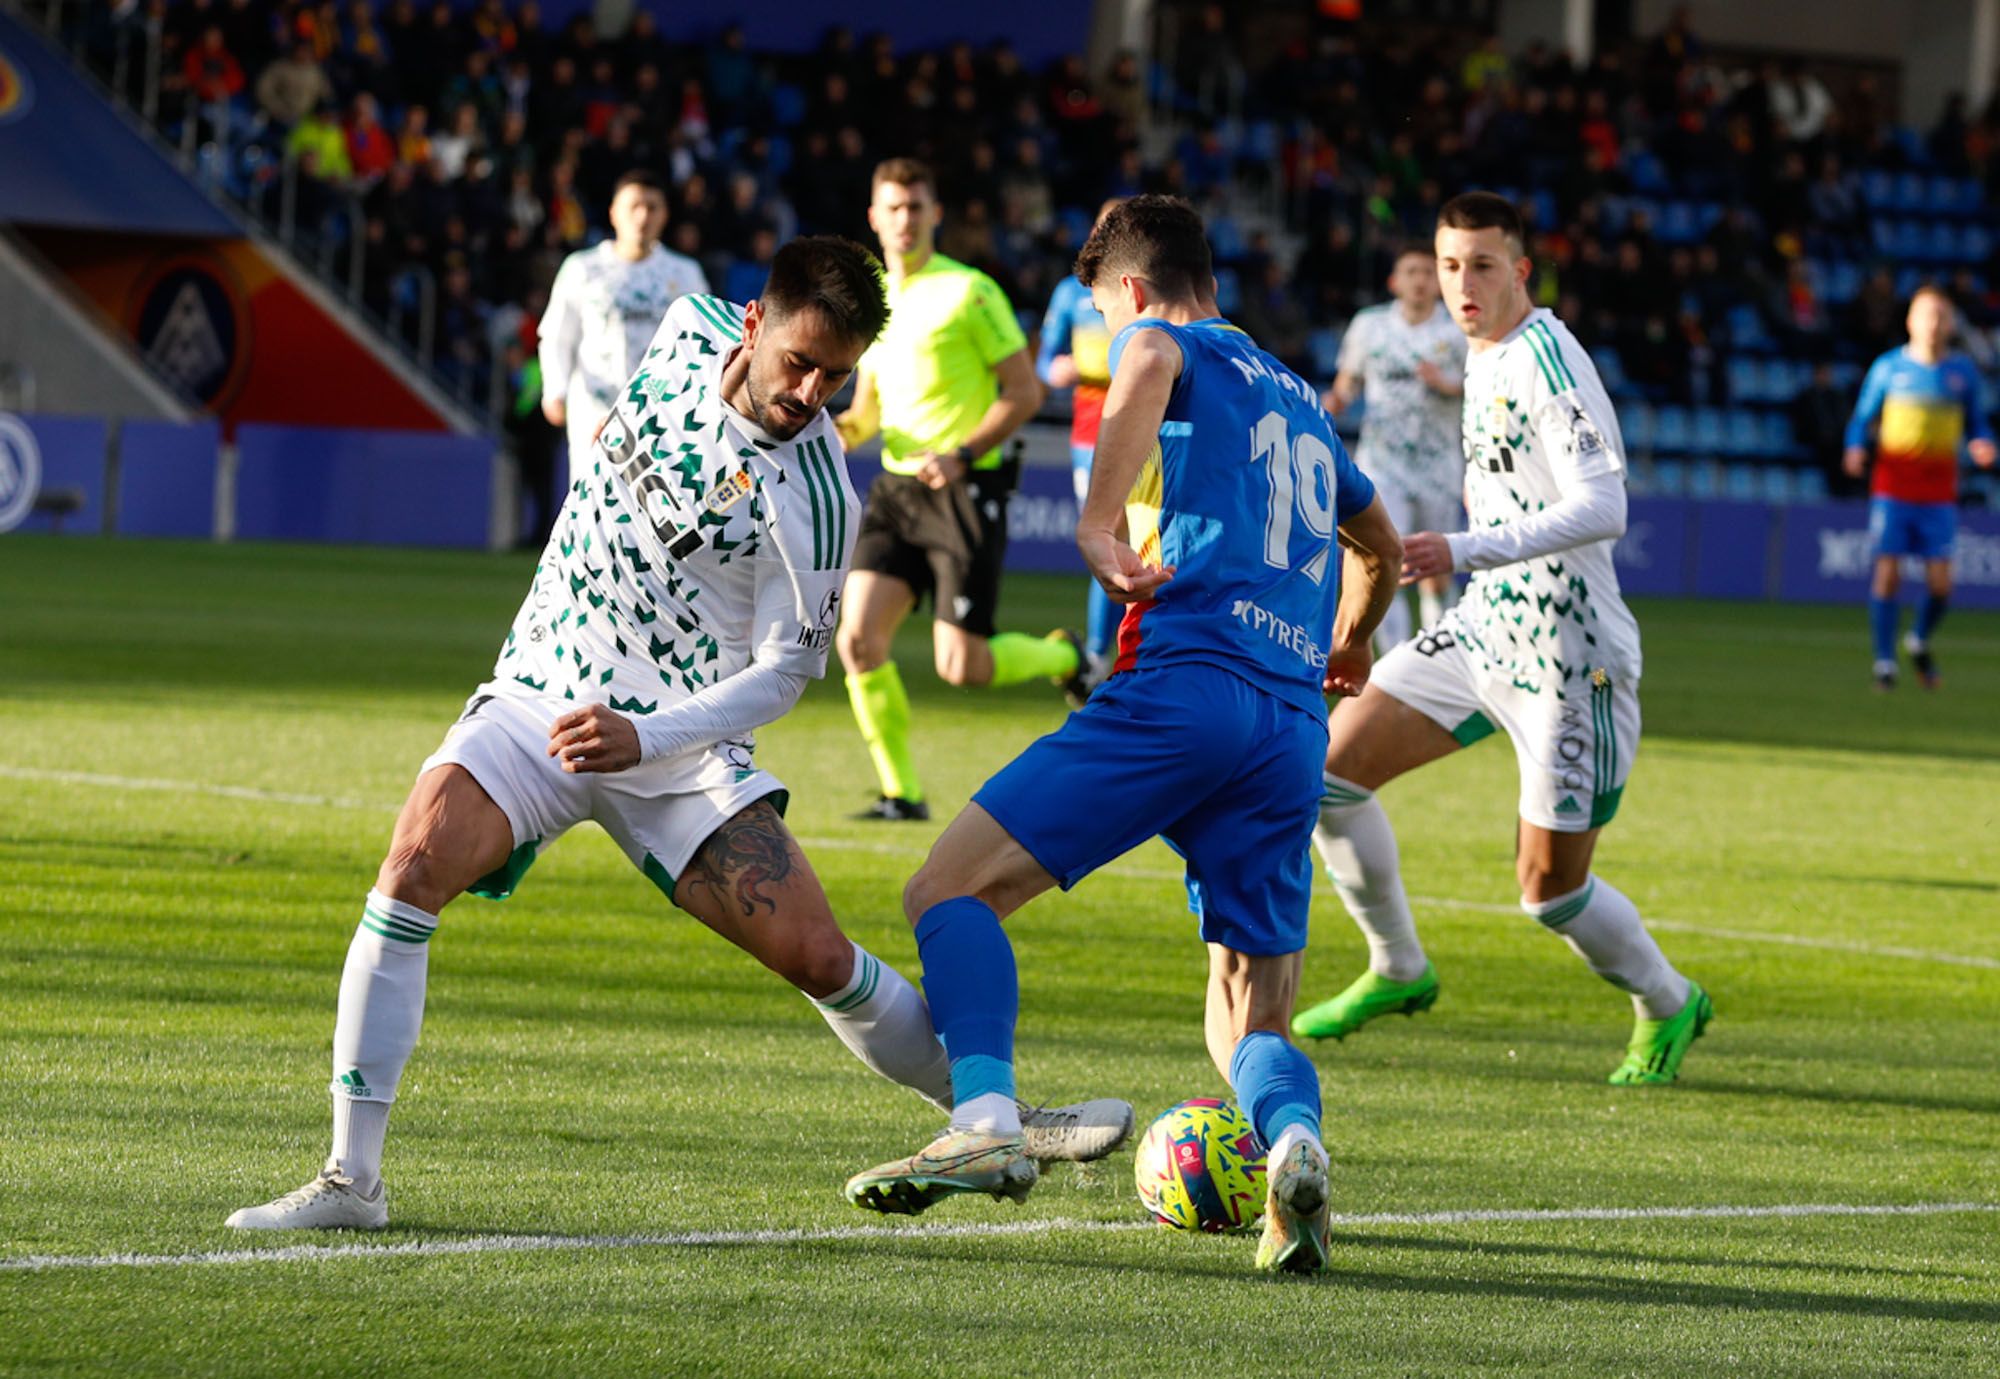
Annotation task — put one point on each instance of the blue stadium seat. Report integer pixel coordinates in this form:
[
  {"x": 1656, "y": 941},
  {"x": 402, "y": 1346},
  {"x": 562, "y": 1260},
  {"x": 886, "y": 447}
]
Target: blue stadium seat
[
  {"x": 1746, "y": 328},
  {"x": 1942, "y": 196},
  {"x": 1809, "y": 485},
  {"x": 1778, "y": 439},
  {"x": 1672, "y": 432},
  {"x": 1324, "y": 347},
  {"x": 1546, "y": 215},
  {"x": 1648, "y": 173},
  {"x": 1635, "y": 422},
  {"x": 1677, "y": 224},
  {"x": 1743, "y": 380},
  {"x": 1878, "y": 189},
  {"x": 1774, "y": 483},
  {"x": 1743, "y": 433},
  {"x": 1704, "y": 479},
  {"x": 1910, "y": 193},
  {"x": 1976, "y": 244},
  {"x": 1710, "y": 431},
  {"x": 1225, "y": 238},
  {"x": 1670, "y": 478},
  {"x": 1264, "y": 142},
  {"x": 1882, "y": 232},
  {"x": 1610, "y": 368},
  {"x": 1943, "y": 246}
]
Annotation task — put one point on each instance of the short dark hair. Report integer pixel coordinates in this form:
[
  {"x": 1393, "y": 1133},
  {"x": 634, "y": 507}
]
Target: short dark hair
[
  {"x": 639, "y": 177},
  {"x": 1934, "y": 289},
  {"x": 833, "y": 276},
  {"x": 904, "y": 172},
  {"x": 1414, "y": 246},
  {"x": 1485, "y": 211},
  {"x": 1158, "y": 238}
]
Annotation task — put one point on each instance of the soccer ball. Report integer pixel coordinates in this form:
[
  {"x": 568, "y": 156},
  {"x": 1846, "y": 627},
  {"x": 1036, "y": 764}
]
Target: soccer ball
[{"x": 1200, "y": 1168}]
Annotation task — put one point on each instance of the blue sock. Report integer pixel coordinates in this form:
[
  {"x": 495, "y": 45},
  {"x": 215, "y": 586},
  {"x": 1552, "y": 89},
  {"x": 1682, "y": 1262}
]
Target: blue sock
[
  {"x": 1276, "y": 1085},
  {"x": 1103, "y": 625},
  {"x": 974, "y": 994},
  {"x": 1882, "y": 618},
  {"x": 1929, "y": 614}
]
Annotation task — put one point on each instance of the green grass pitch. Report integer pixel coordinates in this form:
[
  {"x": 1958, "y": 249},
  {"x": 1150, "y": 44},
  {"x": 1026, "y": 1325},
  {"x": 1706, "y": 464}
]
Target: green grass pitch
[{"x": 595, "y": 1064}]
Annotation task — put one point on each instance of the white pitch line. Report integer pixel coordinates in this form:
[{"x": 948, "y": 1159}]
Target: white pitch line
[
  {"x": 524, "y": 1244},
  {"x": 887, "y": 849}
]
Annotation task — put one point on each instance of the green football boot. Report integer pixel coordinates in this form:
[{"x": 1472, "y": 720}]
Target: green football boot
[
  {"x": 1653, "y": 1058},
  {"x": 1369, "y": 996}
]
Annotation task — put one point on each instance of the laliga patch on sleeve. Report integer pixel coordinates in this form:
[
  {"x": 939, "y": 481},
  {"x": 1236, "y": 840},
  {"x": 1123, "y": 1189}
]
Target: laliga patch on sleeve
[{"x": 1584, "y": 435}]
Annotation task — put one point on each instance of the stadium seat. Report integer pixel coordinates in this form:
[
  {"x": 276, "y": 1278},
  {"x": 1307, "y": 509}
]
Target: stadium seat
[
  {"x": 1977, "y": 245},
  {"x": 1228, "y": 289},
  {"x": 1743, "y": 380},
  {"x": 1672, "y": 432},
  {"x": 1610, "y": 368},
  {"x": 1743, "y": 433},
  {"x": 1635, "y": 421},
  {"x": 1809, "y": 485},
  {"x": 1704, "y": 479},
  {"x": 1677, "y": 224},
  {"x": 1777, "y": 439},
  {"x": 1324, "y": 347},
  {"x": 1878, "y": 189},
  {"x": 1710, "y": 435},
  {"x": 1911, "y": 193},
  {"x": 1670, "y": 479},
  {"x": 1743, "y": 483}
]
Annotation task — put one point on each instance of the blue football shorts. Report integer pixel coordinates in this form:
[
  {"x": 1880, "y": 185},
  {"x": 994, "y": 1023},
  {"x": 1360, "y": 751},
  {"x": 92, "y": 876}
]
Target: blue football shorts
[
  {"x": 1228, "y": 775},
  {"x": 1927, "y": 531}
]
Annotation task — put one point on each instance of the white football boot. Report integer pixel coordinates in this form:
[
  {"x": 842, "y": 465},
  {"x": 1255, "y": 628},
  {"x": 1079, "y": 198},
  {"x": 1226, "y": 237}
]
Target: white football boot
[
  {"x": 1077, "y": 1134},
  {"x": 328, "y": 1203}
]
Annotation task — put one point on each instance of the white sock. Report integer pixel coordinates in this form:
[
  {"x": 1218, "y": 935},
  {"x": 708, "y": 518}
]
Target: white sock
[
  {"x": 993, "y": 1113},
  {"x": 1290, "y": 1136},
  {"x": 1395, "y": 628},
  {"x": 381, "y": 1013},
  {"x": 1430, "y": 607},
  {"x": 1605, "y": 930},
  {"x": 359, "y": 1128},
  {"x": 883, "y": 1020},
  {"x": 1359, "y": 848}
]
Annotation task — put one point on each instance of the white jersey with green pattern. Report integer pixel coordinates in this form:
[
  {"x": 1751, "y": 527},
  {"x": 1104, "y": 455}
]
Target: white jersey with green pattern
[
  {"x": 691, "y": 544},
  {"x": 1537, "y": 421},
  {"x": 1409, "y": 434}
]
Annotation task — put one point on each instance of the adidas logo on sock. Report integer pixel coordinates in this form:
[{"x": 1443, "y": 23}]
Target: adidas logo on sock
[
  {"x": 1569, "y": 806},
  {"x": 353, "y": 1083}
]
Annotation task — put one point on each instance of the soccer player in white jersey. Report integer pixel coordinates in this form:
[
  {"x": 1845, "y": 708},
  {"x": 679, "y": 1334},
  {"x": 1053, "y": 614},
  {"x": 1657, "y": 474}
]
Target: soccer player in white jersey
[
  {"x": 1541, "y": 647},
  {"x": 604, "y": 306},
  {"x": 688, "y": 593},
  {"x": 1407, "y": 357}
]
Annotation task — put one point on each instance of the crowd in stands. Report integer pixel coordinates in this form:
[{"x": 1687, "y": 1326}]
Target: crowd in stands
[{"x": 1718, "y": 233}]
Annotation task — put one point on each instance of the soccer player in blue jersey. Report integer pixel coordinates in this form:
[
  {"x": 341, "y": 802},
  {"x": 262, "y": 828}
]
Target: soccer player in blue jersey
[
  {"x": 1925, "y": 406},
  {"x": 1076, "y": 354},
  {"x": 1209, "y": 732}
]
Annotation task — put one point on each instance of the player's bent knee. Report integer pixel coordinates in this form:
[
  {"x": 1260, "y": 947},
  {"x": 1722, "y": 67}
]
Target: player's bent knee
[
  {"x": 859, "y": 652},
  {"x": 818, "y": 962},
  {"x": 411, "y": 874}
]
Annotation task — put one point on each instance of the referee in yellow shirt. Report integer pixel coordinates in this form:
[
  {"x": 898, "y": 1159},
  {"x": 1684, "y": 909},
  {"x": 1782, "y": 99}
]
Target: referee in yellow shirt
[{"x": 946, "y": 384}]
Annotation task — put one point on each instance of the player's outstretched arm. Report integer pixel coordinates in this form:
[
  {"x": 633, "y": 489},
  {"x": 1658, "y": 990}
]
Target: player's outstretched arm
[
  {"x": 1133, "y": 411},
  {"x": 1371, "y": 561}
]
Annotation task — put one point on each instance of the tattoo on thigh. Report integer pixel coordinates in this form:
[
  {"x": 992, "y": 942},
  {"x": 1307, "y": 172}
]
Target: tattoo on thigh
[{"x": 748, "y": 854}]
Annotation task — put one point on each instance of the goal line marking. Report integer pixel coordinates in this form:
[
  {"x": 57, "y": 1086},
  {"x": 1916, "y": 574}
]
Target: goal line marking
[
  {"x": 1140, "y": 873},
  {"x": 525, "y": 1244}
]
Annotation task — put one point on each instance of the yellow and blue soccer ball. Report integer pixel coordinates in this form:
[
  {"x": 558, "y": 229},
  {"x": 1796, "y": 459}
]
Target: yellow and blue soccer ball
[{"x": 1200, "y": 1168}]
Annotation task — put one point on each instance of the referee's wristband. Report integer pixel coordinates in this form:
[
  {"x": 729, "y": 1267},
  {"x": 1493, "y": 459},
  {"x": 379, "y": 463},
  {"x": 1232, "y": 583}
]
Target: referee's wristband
[{"x": 964, "y": 457}]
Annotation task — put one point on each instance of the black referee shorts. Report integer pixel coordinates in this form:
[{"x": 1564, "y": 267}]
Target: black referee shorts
[{"x": 949, "y": 543}]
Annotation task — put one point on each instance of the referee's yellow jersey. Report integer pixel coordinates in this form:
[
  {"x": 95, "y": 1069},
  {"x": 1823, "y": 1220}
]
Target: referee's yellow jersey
[{"x": 949, "y": 324}]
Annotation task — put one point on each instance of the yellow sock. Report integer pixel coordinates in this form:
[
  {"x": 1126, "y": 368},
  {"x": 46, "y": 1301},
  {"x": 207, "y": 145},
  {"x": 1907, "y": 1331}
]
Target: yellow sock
[
  {"x": 883, "y": 711},
  {"x": 1017, "y": 657}
]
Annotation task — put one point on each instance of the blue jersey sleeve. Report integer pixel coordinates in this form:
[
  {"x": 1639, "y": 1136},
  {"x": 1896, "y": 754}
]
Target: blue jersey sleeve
[
  {"x": 1353, "y": 490},
  {"x": 1055, "y": 327},
  {"x": 1869, "y": 405}
]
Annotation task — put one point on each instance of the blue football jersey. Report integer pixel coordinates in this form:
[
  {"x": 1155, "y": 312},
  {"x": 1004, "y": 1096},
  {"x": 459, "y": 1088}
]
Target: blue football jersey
[{"x": 1242, "y": 497}]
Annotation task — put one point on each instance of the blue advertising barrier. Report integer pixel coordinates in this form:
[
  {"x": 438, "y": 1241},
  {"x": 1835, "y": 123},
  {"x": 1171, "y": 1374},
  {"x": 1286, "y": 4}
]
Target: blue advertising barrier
[
  {"x": 1825, "y": 557},
  {"x": 1656, "y": 554},
  {"x": 52, "y": 474},
  {"x": 166, "y": 478},
  {"x": 396, "y": 488}
]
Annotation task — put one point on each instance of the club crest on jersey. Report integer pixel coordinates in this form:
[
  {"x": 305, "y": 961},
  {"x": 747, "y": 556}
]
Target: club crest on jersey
[
  {"x": 729, "y": 492},
  {"x": 1498, "y": 412}
]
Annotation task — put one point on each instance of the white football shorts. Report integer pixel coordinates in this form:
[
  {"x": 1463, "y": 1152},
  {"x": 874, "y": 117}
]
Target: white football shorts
[
  {"x": 1575, "y": 754},
  {"x": 659, "y": 812}
]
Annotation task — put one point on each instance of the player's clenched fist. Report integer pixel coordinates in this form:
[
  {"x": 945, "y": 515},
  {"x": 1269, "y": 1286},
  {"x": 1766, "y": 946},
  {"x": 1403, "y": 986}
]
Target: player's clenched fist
[{"x": 593, "y": 738}]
